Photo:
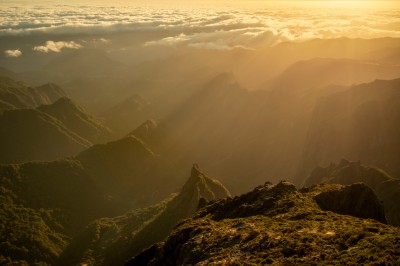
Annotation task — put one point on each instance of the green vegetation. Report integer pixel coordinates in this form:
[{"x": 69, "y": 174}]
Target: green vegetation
[
  {"x": 44, "y": 205},
  {"x": 48, "y": 132},
  {"x": 28, "y": 134},
  {"x": 276, "y": 225},
  {"x": 112, "y": 241}
]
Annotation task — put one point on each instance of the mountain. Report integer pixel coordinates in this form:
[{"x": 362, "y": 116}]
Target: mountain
[
  {"x": 322, "y": 72},
  {"x": 28, "y": 134},
  {"x": 145, "y": 130},
  {"x": 44, "y": 205},
  {"x": 52, "y": 91},
  {"x": 111, "y": 241},
  {"x": 278, "y": 224},
  {"x": 127, "y": 114},
  {"x": 234, "y": 133},
  {"x": 16, "y": 95},
  {"x": 386, "y": 187},
  {"x": 48, "y": 132},
  {"x": 360, "y": 123},
  {"x": 78, "y": 120}
]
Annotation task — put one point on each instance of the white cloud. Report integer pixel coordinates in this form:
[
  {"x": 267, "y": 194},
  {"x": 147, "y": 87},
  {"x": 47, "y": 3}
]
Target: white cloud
[
  {"x": 56, "y": 47},
  {"x": 204, "y": 27},
  {"x": 246, "y": 38},
  {"x": 12, "y": 53}
]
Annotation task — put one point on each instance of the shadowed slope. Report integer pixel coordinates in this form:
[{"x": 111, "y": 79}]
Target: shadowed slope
[
  {"x": 18, "y": 95},
  {"x": 27, "y": 135},
  {"x": 78, "y": 120},
  {"x": 117, "y": 239},
  {"x": 386, "y": 187}
]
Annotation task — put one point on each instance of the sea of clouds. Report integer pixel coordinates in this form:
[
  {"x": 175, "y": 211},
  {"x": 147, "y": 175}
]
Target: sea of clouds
[{"x": 210, "y": 28}]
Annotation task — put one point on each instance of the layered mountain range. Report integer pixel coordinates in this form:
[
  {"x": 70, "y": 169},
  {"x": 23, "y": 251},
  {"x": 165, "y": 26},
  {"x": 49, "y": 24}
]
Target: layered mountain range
[
  {"x": 110, "y": 186},
  {"x": 46, "y": 204},
  {"x": 17, "y": 95}
]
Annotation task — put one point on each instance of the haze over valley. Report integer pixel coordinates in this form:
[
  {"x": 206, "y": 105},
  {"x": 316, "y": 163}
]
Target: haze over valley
[{"x": 159, "y": 133}]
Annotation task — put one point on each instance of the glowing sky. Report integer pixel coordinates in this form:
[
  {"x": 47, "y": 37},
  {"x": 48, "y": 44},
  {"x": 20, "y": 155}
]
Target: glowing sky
[{"x": 220, "y": 25}]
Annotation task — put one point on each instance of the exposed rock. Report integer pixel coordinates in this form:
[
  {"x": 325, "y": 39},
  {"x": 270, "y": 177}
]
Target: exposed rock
[
  {"x": 129, "y": 234},
  {"x": 278, "y": 224},
  {"x": 386, "y": 187},
  {"x": 357, "y": 200}
]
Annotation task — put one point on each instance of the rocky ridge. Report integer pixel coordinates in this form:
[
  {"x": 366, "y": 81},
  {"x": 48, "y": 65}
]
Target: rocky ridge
[{"x": 278, "y": 224}]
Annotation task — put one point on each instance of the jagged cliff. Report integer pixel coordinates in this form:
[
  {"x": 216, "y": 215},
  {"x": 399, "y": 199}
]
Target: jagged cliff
[
  {"x": 278, "y": 224},
  {"x": 112, "y": 241}
]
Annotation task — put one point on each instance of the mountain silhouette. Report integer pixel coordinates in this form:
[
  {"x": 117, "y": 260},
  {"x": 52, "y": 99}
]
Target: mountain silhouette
[
  {"x": 358, "y": 124},
  {"x": 48, "y": 132},
  {"x": 78, "y": 120},
  {"x": 16, "y": 95}
]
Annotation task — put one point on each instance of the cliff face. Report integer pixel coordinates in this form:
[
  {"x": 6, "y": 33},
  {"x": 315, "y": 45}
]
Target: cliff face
[
  {"x": 345, "y": 172},
  {"x": 282, "y": 225},
  {"x": 357, "y": 200}
]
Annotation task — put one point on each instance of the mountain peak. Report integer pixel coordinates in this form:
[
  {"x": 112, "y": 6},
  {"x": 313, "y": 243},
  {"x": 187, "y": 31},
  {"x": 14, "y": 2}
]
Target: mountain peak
[
  {"x": 200, "y": 185},
  {"x": 195, "y": 172},
  {"x": 78, "y": 119},
  {"x": 144, "y": 130}
]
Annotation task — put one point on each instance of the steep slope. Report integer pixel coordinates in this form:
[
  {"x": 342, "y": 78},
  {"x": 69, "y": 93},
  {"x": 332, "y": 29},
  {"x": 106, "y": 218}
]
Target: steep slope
[
  {"x": 28, "y": 134},
  {"x": 145, "y": 130},
  {"x": 360, "y": 123},
  {"x": 18, "y": 95},
  {"x": 48, "y": 132},
  {"x": 386, "y": 187},
  {"x": 277, "y": 224},
  {"x": 42, "y": 206},
  {"x": 78, "y": 120},
  {"x": 127, "y": 114},
  {"x": 52, "y": 91},
  {"x": 111, "y": 241},
  {"x": 45, "y": 204},
  {"x": 121, "y": 167}
]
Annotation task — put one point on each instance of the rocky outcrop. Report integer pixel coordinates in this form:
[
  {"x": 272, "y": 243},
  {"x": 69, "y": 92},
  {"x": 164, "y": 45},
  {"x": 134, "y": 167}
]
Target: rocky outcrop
[
  {"x": 278, "y": 224},
  {"x": 345, "y": 172},
  {"x": 357, "y": 200},
  {"x": 112, "y": 241}
]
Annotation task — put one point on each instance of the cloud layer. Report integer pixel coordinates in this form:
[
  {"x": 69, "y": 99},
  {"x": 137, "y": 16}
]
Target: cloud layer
[
  {"x": 219, "y": 28},
  {"x": 12, "y": 53},
  {"x": 56, "y": 47}
]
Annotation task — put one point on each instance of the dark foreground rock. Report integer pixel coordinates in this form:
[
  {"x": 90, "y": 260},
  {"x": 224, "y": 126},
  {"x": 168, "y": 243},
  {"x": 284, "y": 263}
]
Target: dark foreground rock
[
  {"x": 278, "y": 224},
  {"x": 386, "y": 187}
]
